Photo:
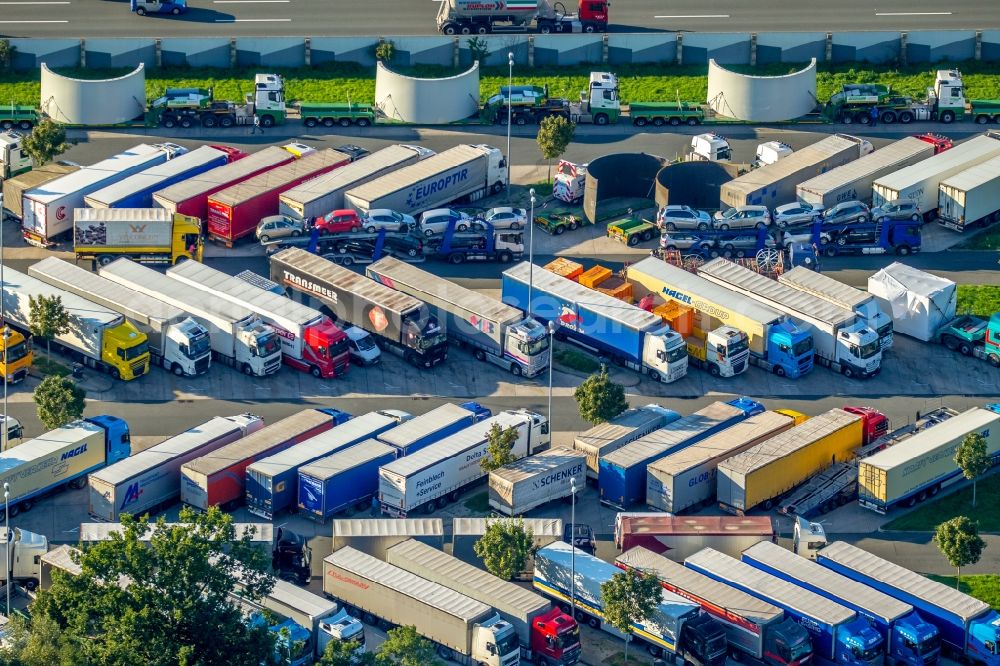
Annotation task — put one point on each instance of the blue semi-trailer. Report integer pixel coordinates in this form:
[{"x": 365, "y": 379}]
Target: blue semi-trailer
[{"x": 343, "y": 482}]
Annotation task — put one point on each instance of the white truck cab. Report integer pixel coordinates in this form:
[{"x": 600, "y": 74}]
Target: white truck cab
[
  {"x": 341, "y": 627},
  {"x": 710, "y": 147},
  {"x": 13, "y": 159},
  {"x": 859, "y": 348},
  {"x": 728, "y": 349},
  {"x": 664, "y": 355},
  {"x": 528, "y": 342},
  {"x": 364, "y": 351},
  {"x": 262, "y": 344},
  {"x": 188, "y": 347},
  {"x": 495, "y": 643},
  {"x": 770, "y": 152},
  {"x": 808, "y": 538},
  {"x": 26, "y": 550}
]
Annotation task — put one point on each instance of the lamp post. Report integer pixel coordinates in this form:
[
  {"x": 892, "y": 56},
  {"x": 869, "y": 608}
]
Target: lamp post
[
  {"x": 510, "y": 85},
  {"x": 6, "y": 337},
  {"x": 552, "y": 333},
  {"x": 572, "y": 551},
  {"x": 6, "y": 528},
  {"x": 531, "y": 246}
]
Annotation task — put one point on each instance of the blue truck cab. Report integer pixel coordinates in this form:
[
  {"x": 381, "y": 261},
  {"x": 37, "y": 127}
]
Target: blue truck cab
[
  {"x": 116, "y": 437},
  {"x": 292, "y": 644},
  {"x": 790, "y": 349},
  {"x": 172, "y": 7},
  {"x": 901, "y": 237}
]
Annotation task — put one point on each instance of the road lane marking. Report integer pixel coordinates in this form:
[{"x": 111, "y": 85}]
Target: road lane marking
[
  {"x": 687, "y": 16},
  {"x": 10, "y": 22},
  {"x": 34, "y": 3},
  {"x": 912, "y": 13},
  {"x": 285, "y": 20},
  {"x": 248, "y": 2}
]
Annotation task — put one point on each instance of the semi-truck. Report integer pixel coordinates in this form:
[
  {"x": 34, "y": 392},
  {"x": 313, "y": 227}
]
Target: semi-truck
[
  {"x": 686, "y": 479},
  {"x": 343, "y": 482},
  {"x": 374, "y": 536},
  {"x": 675, "y": 537},
  {"x": 137, "y": 190},
  {"x": 495, "y": 332},
  {"x": 145, "y": 235},
  {"x": 319, "y": 196},
  {"x": 531, "y": 482},
  {"x": 919, "y": 183},
  {"x": 762, "y": 473},
  {"x": 842, "y": 295},
  {"x": 464, "y": 17},
  {"x": 16, "y": 358},
  {"x": 15, "y": 187},
  {"x": 632, "y": 337},
  {"x": 461, "y": 628},
  {"x": 546, "y": 634},
  {"x": 677, "y": 627},
  {"x": 776, "y": 344},
  {"x": 970, "y": 198},
  {"x": 438, "y": 473},
  {"x": 774, "y": 184},
  {"x": 176, "y": 341},
  {"x": 96, "y": 336},
  {"x": 47, "y": 211},
  {"x": 621, "y": 477},
  {"x": 150, "y": 480},
  {"x": 839, "y": 635},
  {"x": 239, "y": 338},
  {"x": 190, "y": 197},
  {"x": 25, "y": 550},
  {"x": 235, "y": 211},
  {"x": 968, "y": 628},
  {"x": 911, "y": 473},
  {"x": 433, "y": 426},
  {"x": 62, "y": 457},
  {"x": 218, "y": 477},
  {"x": 399, "y": 322},
  {"x": 754, "y": 628},
  {"x": 271, "y": 482},
  {"x": 908, "y": 638},
  {"x": 310, "y": 342},
  {"x": 627, "y": 427},
  {"x": 853, "y": 181},
  {"x": 463, "y": 173},
  {"x": 14, "y": 160},
  {"x": 842, "y": 341}
]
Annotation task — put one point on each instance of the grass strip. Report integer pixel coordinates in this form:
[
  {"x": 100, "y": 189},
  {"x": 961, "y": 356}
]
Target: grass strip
[
  {"x": 981, "y": 300},
  {"x": 926, "y": 517},
  {"x": 985, "y": 587}
]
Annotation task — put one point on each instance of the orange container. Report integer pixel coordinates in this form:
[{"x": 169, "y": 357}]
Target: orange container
[
  {"x": 594, "y": 276},
  {"x": 679, "y": 317},
  {"x": 617, "y": 288},
  {"x": 565, "y": 268}
]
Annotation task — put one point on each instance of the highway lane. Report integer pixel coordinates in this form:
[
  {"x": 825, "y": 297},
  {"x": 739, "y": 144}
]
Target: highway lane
[{"x": 111, "y": 18}]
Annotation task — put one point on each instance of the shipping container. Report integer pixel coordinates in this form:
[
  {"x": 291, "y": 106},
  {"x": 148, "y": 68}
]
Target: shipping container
[
  {"x": 676, "y": 537},
  {"x": 137, "y": 190},
  {"x": 920, "y": 182},
  {"x": 531, "y": 482},
  {"x": 191, "y": 196},
  {"x": 905, "y": 474},
  {"x": 375, "y": 536},
  {"x": 324, "y": 194},
  {"x": 971, "y": 197},
  {"x": 235, "y": 211},
  {"x": 629, "y": 426},
  {"x": 272, "y": 482},
  {"x": 686, "y": 479},
  {"x": 759, "y": 475},
  {"x": 774, "y": 184},
  {"x": 14, "y": 188},
  {"x": 218, "y": 478},
  {"x": 343, "y": 482},
  {"x": 467, "y": 531},
  {"x": 853, "y": 181},
  {"x": 151, "y": 479},
  {"x": 426, "y": 429},
  {"x": 622, "y": 474}
]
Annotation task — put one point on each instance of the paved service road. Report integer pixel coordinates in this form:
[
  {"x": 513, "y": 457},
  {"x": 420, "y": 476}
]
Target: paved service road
[{"x": 111, "y": 18}]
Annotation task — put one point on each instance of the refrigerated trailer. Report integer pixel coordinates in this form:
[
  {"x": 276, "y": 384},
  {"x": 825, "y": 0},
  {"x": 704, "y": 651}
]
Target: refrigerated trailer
[
  {"x": 528, "y": 483},
  {"x": 176, "y": 341},
  {"x": 627, "y": 427},
  {"x": 676, "y": 537},
  {"x": 151, "y": 479},
  {"x": 970, "y": 198},
  {"x": 495, "y": 332},
  {"x": 14, "y": 188},
  {"x": 343, "y": 482},
  {"x": 137, "y": 190}
]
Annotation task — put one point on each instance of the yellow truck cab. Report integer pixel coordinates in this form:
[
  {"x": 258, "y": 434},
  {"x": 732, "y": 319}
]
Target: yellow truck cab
[
  {"x": 125, "y": 350},
  {"x": 15, "y": 355},
  {"x": 145, "y": 235}
]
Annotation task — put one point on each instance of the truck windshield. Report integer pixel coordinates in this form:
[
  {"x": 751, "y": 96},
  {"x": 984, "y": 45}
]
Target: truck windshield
[
  {"x": 885, "y": 330},
  {"x": 674, "y": 355},
  {"x": 135, "y": 351},
  {"x": 17, "y": 352},
  {"x": 802, "y": 347},
  {"x": 534, "y": 347},
  {"x": 199, "y": 346},
  {"x": 570, "y": 636},
  {"x": 800, "y": 650},
  {"x": 431, "y": 341},
  {"x": 868, "y": 655},
  {"x": 508, "y": 643},
  {"x": 869, "y": 350},
  {"x": 738, "y": 347},
  {"x": 266, "y": 345}
]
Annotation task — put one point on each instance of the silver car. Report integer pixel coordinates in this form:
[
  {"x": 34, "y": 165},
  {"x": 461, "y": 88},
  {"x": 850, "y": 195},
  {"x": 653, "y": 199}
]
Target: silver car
[
  {"x": 742, "y": 246},
  {"x": 896, "y": 210},
  {"x": 279, "y": 226},
  {"x": 679, "y": 240},
  {"x": 506, "y": 217},
  {"x": 743, "y": 217},
  {"x": 390, "y": 220},
  {"x": 672, "y": 218},
  {"x": 795, "y": 214},
  {"x": 788, "y": 239}
]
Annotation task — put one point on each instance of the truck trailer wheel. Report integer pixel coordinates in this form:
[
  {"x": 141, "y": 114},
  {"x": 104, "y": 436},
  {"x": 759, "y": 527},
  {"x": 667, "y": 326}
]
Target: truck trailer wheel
[
  {"x": 226, "y": 121},
  {"x": 640, "y": 122},
  {"x": 362, "y": 122},
  {"x": 25, "y": 125},
  {"x": 906, "y": 117},
  {"x": 654, "y": 650},
  {"x": 449, "y": 28},
  {"x": 310, "y": 122},
  {"x": 994, "y": 360}
]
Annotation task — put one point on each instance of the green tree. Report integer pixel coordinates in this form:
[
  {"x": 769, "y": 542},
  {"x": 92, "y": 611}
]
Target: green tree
[
  {"x": 341, "y": 653},
  {"x": 6, "y": 54},
  {"x": 959, "y": 541},
  {"x": 973, "y": 459},
  {"x": 629, "y": 597},
  {"x": 499, "y": 447},
  {"x": 555, "y": 133},
  {"x": 599, "y": 398},
  {"x": 478, "y": 48},
  {"x": 385, "y": 51},
  {"x": 45, "y": 142},
  {"x": 405, "y": 647},
  {"x": 58, "y": 401},
  {"x": 166, "y": 601},
  {"x": 505, "y": 547},
  {"x": 47, "y": 318}
]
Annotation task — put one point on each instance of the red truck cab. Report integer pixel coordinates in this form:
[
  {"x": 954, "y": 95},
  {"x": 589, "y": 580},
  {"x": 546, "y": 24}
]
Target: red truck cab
[
  {"x": 940, "y": 142},
  {"x": 874, "y": 423},
  {"x": 594, "y": 11},
  {"x": 555, "y": 638},
  {"x": 339, "y": 221},
  {"x": 326, "y": 350}
]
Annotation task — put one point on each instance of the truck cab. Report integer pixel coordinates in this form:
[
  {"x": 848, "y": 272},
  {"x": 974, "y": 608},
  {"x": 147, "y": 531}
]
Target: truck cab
[
  {"x": 808, "y": 538},
  {"x": 13, "y": 160},
  {"x": 703, "y": 641},
  {"x": 528, "y": 343},
  {"x": 291, "y": 557},
  {"x": 913, "y": 641},
  {"x": 599, "y": 104},
  {"x": 186, "y": 241},
  {"x": 569, "y": 181},
  {"x": 189, "y": 348},
  {"x": 858, "y": 350},
  {"x": 26, "y": 550},
  {"x": 556, "y": 637},
  {"x": 15, "y": 355},
  {"x": 858, "y": 644},
  {"x": 125, "y": 349},
  {"x": 495, "y": 643},
  {"x": 664, "y": 355},
  {"x": 264, "y": 347},
  {"x": 268, "y": 100},
  {"x": 426, "y": 338},
  {"x": 790, "y": 350},
  {"x": 710, "y": 147},
  {"x": 874, "y": 423},
  {"x": 726, "y": 351},
  {"x": 172, "y": 7},
  {"x": 117, "y": 438},
  {"x": 340, "y": 627},
  {"x": 770, "y": 152}
]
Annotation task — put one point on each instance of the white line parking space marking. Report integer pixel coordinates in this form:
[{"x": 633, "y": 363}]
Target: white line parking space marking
[
  {"x": 10, "y": 22},
  {"x": 687, "y": 16},
  {"x": 912, "y": 13},
  {"x": 285, "y": 20},
  {"x": 249, "y": 2},
  {"x": 61, "y": 2}
]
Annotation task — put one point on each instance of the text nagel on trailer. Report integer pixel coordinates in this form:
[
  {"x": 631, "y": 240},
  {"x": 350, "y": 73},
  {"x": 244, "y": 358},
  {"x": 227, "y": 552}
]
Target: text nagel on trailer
[
  {"x": 176, "y": 341},
  {"x": 494, "y": 331},
  {"x": 627, "y": 427},
  {"x": 239, "y": 338},
  {"x": 839, "y": 636},
  {"x": 637, "y": 339},
  {"x": 310, "y": 342},
  {"x": 753, "y": 627},
  {"x": 909, "y": 638},
  {"x": 401, "y": 323}
]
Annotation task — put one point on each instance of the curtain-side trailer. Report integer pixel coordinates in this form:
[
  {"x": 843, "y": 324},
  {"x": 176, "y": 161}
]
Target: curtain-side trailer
[
  {"x": 343, "y": 482},
  {"x": 137, "y": 190},
  {"x": 627, "y": 427}
]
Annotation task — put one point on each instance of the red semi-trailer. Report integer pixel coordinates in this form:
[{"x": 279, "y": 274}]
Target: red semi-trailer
[{"x": 677, "y": 537}]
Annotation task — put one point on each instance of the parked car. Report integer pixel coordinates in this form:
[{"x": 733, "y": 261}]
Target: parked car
[
  {"x": 436, "y": 221},
  {"x": 795, "y": 214},
  {"x": 363, "y": 349},
  {"x": 390, "y": 220},
  {"x": 896, "y": 210},
  {"x": 356, "y": 152},
  {"x": 741, "y": 246},
  {"x": 846, "y": 212},
  {"x": 279, "y": 226},
  {"x": 339, "y": 221},
  {"x": 506, "y": 217},
  {"x": 680, "y": 240},
  {"x": 788, "y": 239},
  {"x": 743, "y": 217},
  {"x": 408, "y": 246},
  {"x": 672, "y": 218}
]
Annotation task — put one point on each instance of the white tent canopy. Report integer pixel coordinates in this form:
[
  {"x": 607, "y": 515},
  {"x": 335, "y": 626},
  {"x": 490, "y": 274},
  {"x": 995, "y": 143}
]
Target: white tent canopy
[{"x": 918, "y": 302}]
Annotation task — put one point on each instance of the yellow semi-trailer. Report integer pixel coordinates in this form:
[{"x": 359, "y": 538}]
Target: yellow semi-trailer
[
  {"x": 912, "y": 472},
  {"x": 759, "y": 475}
]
